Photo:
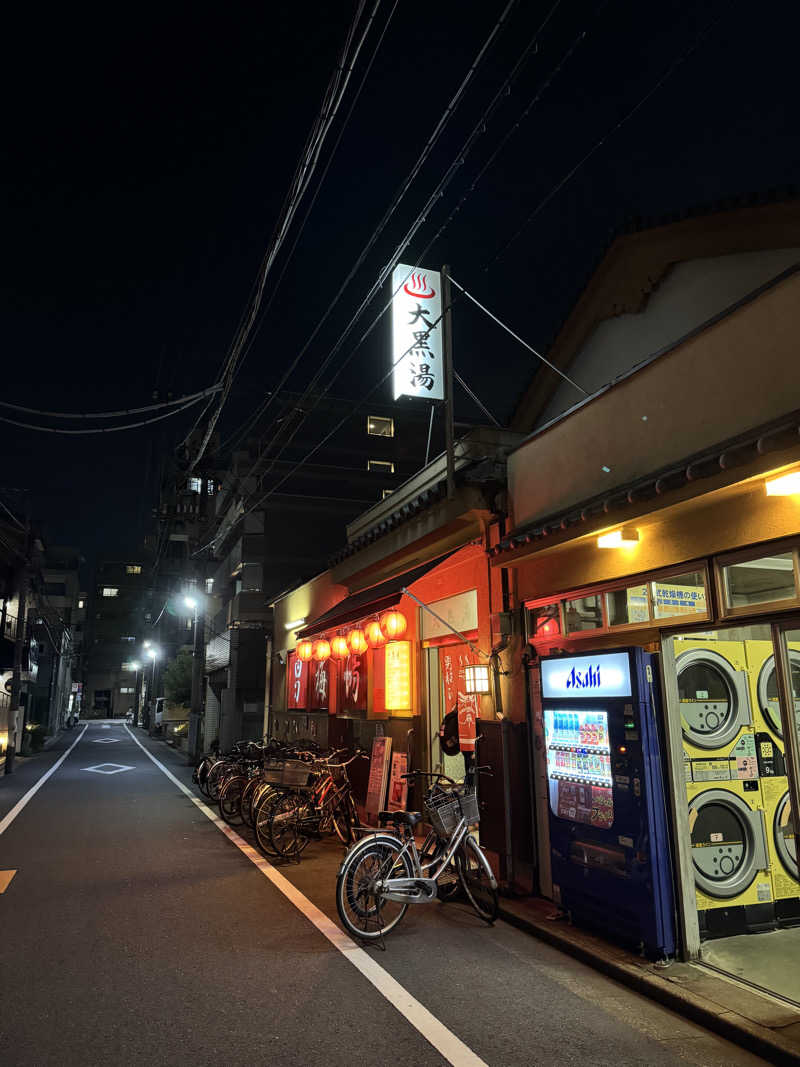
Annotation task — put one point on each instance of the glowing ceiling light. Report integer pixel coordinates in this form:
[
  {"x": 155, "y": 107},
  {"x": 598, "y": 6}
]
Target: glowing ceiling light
[
  {"x": 784, "y": 485},
  {"x": 625, "y": 537}
]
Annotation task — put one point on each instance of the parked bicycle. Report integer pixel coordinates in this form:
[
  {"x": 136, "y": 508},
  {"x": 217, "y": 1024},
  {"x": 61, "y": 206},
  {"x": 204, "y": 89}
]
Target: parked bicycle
[
  {"x": 287, "y": 819},
  {"x": 383, "y": 873}
]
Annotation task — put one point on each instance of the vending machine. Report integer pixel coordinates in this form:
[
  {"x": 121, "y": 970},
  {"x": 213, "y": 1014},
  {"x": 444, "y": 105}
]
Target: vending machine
[{"x": 611, "y": 861}]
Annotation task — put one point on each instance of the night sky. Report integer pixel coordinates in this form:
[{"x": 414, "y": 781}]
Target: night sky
[{"x": 148, "y": 151}]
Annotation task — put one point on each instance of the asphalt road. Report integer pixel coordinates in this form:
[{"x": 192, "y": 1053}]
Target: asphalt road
[{"x": 135, "y": 932}]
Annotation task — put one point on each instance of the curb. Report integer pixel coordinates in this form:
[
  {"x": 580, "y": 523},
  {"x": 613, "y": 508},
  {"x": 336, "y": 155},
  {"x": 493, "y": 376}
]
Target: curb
[{"x": 728, "y": 1024}]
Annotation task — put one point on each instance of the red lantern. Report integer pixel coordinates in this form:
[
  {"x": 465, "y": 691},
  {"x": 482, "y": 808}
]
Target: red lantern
[
  {"x": 393, "y": 625},
  {"x": 339, "y": 649},
  {"x": 322, "y": 650},
  {"x": 372, "y": 632},
  {"x": 305, "y": 651},
  {"x": 356, "y": 642}
]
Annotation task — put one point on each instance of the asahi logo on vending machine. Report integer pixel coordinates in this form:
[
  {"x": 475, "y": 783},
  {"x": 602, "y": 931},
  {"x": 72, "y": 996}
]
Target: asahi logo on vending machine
[{"x": 606, "y": 674}]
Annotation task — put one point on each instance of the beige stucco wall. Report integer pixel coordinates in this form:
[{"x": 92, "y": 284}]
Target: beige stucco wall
[{"x": 737, "y": 374}]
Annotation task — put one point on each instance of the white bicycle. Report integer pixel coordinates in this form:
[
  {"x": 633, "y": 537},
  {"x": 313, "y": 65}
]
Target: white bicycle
[{"x": 383, "y": 873}]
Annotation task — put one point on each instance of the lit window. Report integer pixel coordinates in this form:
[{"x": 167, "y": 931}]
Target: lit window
[
  {"x": 128, "y": 666},
  {"x": 385, "y": 493},
  {"x": 189, "y": 624},
  {"x": 80, "y": 603},
  {"x": 110, "y": 590},
  {"x": 133, "y": 568},
  {"x": 126, "y": 689},
  {"x": 377, "y": 426},
  {"x": 210, "y": 486},
  {"x": 126, "y": 638},
  {"x": 195, "y": 485},
  {"x": 383, "y": 465},
  {"x": 209, "y": 586}
]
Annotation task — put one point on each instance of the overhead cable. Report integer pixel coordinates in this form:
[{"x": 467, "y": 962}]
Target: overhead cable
[
  {"x": 100, "y": 429},
  {"x": 405, "y": 185},
  {"x": 477, "y": 131},
  {"x": 112, "y": 414},
  {"x": 331, "y": 155},
  {"x": 517, "y": 337},
  {"x": 302, "y": 177},
  {"x": 676, "y": 63}
]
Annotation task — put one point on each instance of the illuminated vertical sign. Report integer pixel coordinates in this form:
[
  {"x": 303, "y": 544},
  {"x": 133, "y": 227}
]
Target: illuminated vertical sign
[
  {"x": 297, "y": 680},
  {"x": 417, "y": 333},
  {"x": 398, "y": 676}
]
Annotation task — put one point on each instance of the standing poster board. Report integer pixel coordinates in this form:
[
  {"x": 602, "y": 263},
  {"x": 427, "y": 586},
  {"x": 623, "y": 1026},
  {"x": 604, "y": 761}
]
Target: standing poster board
[
  {"x": 397, "y": 799},
  {"x": 378, "y": 776}
]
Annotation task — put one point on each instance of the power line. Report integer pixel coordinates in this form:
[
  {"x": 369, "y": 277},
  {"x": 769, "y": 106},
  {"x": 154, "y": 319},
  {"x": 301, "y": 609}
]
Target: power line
[
  {"x": 478, "y": 130},
  {"x": 101, "y": 429},
  {"x": 356, "y": 96},
  {"x": 677, "y": 63},
  {"x": 302, "y": 177},
  {"x": 405, "y": 185},
  {"x": 112, "y": 414},
  {"x": 609, "y": 133}
]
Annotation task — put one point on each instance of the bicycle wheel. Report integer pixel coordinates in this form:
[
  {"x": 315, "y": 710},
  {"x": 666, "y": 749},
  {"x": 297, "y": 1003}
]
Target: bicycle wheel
[
  {"x": 248, "y": 794},
  {"x": 215, "y": 778},
  {"x": 477, "y": 880},
  {"x": 262, "y": 818},
  {"x": 365, "y": 913},
  {"x": 230, "y": 800},
  {"x": 287, "y": 826},
  {"x": 345, "y": 819}
]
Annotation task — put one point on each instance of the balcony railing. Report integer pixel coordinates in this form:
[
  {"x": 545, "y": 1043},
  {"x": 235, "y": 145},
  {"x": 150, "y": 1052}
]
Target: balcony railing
[{"x": 8, "y": 627}]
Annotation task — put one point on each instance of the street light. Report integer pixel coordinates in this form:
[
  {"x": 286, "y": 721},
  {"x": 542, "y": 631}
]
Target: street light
[
  {"x": 153, "y": 653},
  {"x": 135, "y": 666},
  {"x": 191, "y": 603}
]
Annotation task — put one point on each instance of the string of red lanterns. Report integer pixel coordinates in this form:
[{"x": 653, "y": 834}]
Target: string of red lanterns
[{"x": 389, "y": 627}]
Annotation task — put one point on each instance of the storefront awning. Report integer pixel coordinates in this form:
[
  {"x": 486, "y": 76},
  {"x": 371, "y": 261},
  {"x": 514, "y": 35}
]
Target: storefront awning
[{"x": 368, "y": 601}]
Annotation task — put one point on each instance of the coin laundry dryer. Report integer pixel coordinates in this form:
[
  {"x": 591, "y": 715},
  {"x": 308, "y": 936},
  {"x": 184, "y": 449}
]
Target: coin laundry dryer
[
  {"x": 729, "y": 842},
  {"x": 714, "y": 697},
  {"x": 770, "y": 748}
]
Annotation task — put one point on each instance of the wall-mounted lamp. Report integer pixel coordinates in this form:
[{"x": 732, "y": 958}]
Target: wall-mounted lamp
[
  {"x": 476, "y": 678},
  {"x": 295, "y": 624},
  {"x": 625, "y": 537},
  {"x": 783, "y": 485}
]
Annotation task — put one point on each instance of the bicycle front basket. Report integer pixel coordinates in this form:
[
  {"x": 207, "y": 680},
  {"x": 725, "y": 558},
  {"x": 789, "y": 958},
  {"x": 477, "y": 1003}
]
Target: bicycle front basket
[
  {"x": 445, "y": 810},
  {"x": 295, "y": 772},
  {"x": 272, "y": 773}
]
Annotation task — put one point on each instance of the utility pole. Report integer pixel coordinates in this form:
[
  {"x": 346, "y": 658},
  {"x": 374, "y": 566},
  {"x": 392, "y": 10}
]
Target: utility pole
[
  {"x": 447, "y": 349},
  {"x": 198, "y": 670},
  {"x": 19, "y": 647}
]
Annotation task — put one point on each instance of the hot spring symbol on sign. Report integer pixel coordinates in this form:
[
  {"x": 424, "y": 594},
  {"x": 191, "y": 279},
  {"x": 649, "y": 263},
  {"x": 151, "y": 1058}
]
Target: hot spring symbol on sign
[{"x": 417, "y": 333}]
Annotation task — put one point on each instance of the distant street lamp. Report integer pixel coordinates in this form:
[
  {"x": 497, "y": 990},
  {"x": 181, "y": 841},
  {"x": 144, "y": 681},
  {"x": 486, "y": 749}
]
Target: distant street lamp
[{"x": 136, "y": 667}]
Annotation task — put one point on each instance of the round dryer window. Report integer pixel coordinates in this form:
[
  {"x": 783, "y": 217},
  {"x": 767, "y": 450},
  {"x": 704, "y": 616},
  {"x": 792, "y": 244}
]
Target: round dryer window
[
  {"x": 783, "y": 831},
  {"x": 768, "y": 691},
  {"x": 712, "y": 707},
  {"x": 724, "y": 850}
]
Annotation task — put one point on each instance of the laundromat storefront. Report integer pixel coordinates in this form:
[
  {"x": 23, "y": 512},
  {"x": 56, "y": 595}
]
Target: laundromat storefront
[{"x": 728, "y": 630}]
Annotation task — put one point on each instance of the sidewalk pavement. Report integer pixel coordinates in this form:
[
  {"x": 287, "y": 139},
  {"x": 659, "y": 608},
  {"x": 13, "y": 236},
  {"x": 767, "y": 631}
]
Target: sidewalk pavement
[{"x": 766, "y": 1026}]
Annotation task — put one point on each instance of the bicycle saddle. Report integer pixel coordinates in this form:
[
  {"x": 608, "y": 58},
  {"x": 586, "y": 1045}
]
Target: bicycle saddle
[{"x": 400, "y": 818}]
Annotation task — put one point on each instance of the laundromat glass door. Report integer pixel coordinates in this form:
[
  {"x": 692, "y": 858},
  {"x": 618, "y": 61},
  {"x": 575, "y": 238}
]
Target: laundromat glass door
[
  {"x": 740, "y": 740},
  {"x": 785, "y": 825}
]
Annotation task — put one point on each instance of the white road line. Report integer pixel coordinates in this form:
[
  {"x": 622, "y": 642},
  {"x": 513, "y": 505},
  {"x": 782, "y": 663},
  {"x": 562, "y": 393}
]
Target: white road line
[
  {"x": 20, "y": 804},
  {"x": 445, "y": 1042}
]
